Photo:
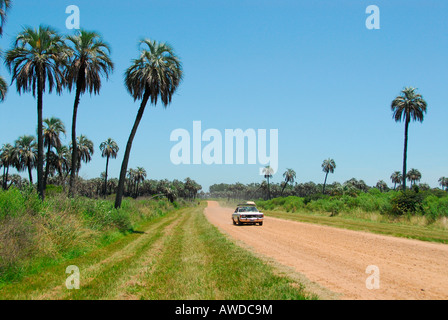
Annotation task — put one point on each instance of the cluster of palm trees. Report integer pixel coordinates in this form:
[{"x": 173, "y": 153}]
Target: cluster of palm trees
[
  {"x": 58, "y": 158},
  {"x": 413, "y": 176},
  {"x": 43, "y": 61}
]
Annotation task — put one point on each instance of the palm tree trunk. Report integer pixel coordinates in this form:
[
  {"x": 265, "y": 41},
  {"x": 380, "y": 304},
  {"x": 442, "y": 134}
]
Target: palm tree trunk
[
  {"x": 325, "y": 182},
  {"x": 40, "y": 143},
  {"x": 47, "y": 166},
  {"x": 284, "y": 186},
  {"x": 124, "y": 165},
  {"x": 73, "y": 171},
  {"x": 105, "y": 179},
  {"x": 6, "y": 179},
  {"x": 269, "y": 190},
  {"x": 30, "y": 174},
  {"x": 406, "y": 128}
]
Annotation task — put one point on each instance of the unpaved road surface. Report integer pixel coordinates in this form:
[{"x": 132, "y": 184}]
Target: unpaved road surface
[{"x": 338, "y": 259}]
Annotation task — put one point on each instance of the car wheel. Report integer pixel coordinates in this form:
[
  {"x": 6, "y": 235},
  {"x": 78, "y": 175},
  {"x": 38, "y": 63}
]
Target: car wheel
[
  {"x": 261, "y": 223},
  {"x": 239, "y": 222},
  {"x": 234, "y": 223}
]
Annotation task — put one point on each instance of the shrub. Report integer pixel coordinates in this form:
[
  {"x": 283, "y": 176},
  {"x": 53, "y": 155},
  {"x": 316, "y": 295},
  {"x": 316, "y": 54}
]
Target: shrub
[{"x": 407, "y": 202}]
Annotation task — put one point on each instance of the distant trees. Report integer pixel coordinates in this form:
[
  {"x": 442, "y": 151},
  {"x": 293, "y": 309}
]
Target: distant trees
[
  {"x": 328, "y": 166},
  {"x": 25, "y": 150},
  {"x": 8, "y": 159},
  {"x": 268, "y": 172},
  {"x": 53, "y": 127},
  {"x": 413, "y": 176},
  {"x": 443, "y": 181},
  {"x": 289, "y": 176},
  {"x": 408, "y": 106},
  {"x": 397, "y": 178},
  {"x": 382, "y": 186},
  {"x": 109, "y": 149}
]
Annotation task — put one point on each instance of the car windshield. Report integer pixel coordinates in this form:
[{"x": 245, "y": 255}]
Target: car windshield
[{"x": 248, "y": 209}]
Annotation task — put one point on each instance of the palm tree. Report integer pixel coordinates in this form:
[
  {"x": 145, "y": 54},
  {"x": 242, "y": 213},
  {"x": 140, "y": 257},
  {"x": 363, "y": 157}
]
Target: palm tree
[
  {"x": 289, "y": 176},
  {"x": 109, "y": 149},
  {"x": 156, "y": 73},
  {"x": 85, "y": 152},
  {"x": 268, "y": 172},
  {"x": 34, "y": 62},
  {"x": 53, "y": 127},
  {"x": 60, "y": 161},
  {"x": 413, "y": 176},
  {"x": 3, "y": 88},
  {"x": 406, "y": 107},
  {"x": 4, "y": 7},
  {"x": 89, "y": 61},
  {"x": 8, "y": 157},
  {"x": 381, "y": 185},
  {"x": 443, "y": 181},
  {"x": 140, "y": 176},
  {"x": 328, "y": 166},
  {"x": 131, "y": 179},
  {"x": 396, "y": 177},
  {"x": 25, "y": 148}
]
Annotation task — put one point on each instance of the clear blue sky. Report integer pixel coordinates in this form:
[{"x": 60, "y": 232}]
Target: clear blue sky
[{"x": 310, "y": 69}]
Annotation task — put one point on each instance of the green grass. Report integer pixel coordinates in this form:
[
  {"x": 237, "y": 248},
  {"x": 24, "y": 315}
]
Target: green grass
[
  {"x": 35, "y": 235},
  {"x": 179, "y": 255},
  {"x": 386, "y": 227},
  {"x": 200, "y": 263}
]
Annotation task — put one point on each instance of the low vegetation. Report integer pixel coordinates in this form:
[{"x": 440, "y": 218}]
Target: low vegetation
[
  {"x": 35, "y": 234},
  {"x": 178, "y": 255},
  {"x": 413, "y": 214}
]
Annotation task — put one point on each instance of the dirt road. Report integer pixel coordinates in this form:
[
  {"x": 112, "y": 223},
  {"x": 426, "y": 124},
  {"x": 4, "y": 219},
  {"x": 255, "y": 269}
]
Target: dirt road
[{"x": 338, "y": 259}]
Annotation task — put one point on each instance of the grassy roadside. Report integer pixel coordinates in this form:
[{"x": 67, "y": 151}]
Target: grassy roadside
[
  {"x": 404, "y": 230},
  {"x": 179, "y": 255},
  {"x": 36, "y": 235}
]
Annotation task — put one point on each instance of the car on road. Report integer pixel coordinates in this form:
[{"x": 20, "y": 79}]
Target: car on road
[{"x": 247, "y": 213}]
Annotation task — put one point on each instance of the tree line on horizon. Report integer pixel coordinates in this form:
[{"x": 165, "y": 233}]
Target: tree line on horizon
[{"x": 290, "y": 187}]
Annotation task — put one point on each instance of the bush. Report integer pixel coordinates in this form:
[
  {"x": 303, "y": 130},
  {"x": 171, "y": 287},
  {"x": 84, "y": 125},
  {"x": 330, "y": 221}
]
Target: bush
[{"x": 407, "y": 202}]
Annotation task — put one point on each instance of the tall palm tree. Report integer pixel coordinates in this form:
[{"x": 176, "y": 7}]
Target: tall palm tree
[
  {"x": 109, "y": 149},
  {"x": 406, "y": 107},
  {"x": 156, "y": 73},
  {"x": 289, "y": 176},
  {"x": 8, "y": 157},
  {"x": 396, "y": 177},
  {"x": 53, "y": 127},
  {"x": 328, "y": 166},
  {"x": 88, "y": 63},
  {"x": 25, "y": 148},
  {"x": 413, "y": 176},
  {"x": 35, "y": 62},
  {"x": 443, "y": 181},
  {"x": 268, "y": 172}
]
